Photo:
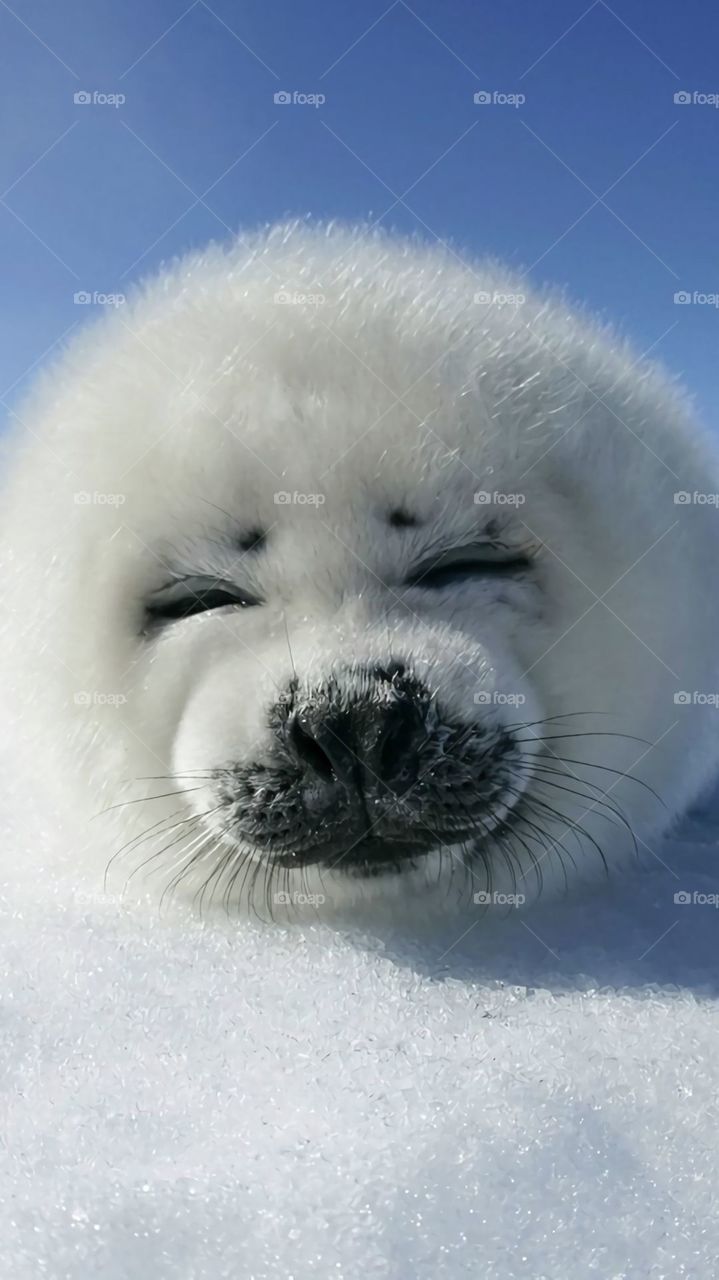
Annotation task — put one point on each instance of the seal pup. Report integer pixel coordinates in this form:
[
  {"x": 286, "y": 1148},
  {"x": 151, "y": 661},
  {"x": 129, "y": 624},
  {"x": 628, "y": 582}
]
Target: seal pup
[{"x": 338, "y": 570}]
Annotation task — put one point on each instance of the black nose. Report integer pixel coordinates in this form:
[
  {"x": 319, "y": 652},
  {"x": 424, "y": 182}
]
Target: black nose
[{"x": 373, "y": 741}]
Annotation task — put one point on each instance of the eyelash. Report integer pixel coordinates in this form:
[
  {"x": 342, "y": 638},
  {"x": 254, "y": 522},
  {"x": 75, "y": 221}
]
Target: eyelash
[
  {"x": 214, "y": 596},
  {"x": 438, "y": 576}
]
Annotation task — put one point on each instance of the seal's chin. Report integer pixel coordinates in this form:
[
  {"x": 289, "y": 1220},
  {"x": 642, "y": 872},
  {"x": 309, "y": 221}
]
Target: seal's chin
[{"x": 371, "y": 856}]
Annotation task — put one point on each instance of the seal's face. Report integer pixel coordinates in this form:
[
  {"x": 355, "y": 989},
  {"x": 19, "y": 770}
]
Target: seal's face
[
  {"x": 355, "y": 697},
  {"x": 369, "y": 732},
  {"x": 360, "y": 598}
]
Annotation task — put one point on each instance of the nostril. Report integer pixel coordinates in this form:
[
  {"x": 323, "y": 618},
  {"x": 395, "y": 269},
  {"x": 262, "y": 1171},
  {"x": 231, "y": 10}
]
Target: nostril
[
  {"x": 308, "y": 750},
  {"x": 393, "y": 670},
  {"x": 399, "y": 752}
]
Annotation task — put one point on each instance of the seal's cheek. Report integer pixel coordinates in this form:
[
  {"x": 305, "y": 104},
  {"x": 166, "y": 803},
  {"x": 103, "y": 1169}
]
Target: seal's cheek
[{"x": 225, "y": 718}]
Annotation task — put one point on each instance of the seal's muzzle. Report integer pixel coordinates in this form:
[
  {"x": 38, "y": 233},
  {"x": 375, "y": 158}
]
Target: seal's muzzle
[{"x": 366, "y": 773}]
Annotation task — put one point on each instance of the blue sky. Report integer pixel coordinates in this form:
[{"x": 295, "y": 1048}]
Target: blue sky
[{"x": 599, "y": 181}]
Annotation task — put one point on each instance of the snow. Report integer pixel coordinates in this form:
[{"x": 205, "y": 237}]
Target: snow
[{"x": 204, "y": 1100}]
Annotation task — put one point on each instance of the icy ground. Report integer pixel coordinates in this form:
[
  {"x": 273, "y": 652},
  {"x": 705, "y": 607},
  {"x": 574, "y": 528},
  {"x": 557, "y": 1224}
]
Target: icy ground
[{"x": 539, "y": 1100}]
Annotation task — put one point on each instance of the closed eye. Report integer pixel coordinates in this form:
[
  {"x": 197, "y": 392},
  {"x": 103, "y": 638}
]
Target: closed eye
[
  {"x": 466, "y": 563},
  {"x": 196, "y": 594}
]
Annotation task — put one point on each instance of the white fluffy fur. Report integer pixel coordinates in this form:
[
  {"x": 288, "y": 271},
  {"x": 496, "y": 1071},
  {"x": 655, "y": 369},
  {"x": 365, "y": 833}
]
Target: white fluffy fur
[{"x": 207, "y": 395}]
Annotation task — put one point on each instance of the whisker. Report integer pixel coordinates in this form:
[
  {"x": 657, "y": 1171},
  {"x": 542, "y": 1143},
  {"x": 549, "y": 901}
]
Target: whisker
[
  {"x": 176, "y": 839},
  {"x": 562, "y": 715},
  {"x": 531, "y": 855},
  {"x": 173, "y": 777},
  {"x": 194, "y": 854},
  {"x": 517, "y": 815},
  {"x": 200, "y": 838},
  {"x": 145, "y": 835},
  {"x": 631, "y": 777},
  {"x": 289, "y": 646},
  {"x": 565, "y": 821},
  {"x": 183, "y": 791},
  {"x": 598, "y": 733},
  {"x": 240, "y": 864},
  {"x": 600, "y": 798}
]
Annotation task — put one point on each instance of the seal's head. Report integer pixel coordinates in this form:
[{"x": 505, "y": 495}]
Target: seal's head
[{"x": 337, "y": 569}]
